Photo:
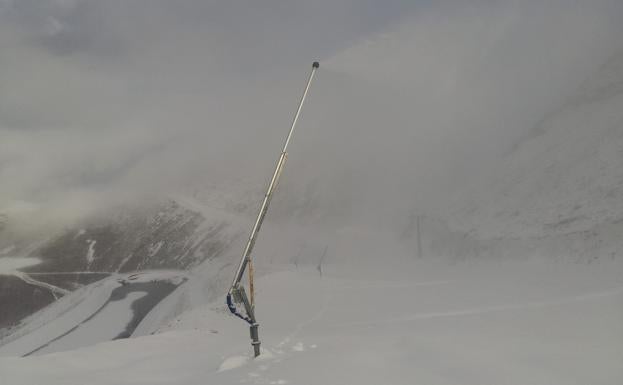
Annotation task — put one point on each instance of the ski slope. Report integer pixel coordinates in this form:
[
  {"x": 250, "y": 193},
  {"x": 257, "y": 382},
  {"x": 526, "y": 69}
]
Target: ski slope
[
  {"x": 422, "y": 323},
  {"x": 107, "y": 310}
]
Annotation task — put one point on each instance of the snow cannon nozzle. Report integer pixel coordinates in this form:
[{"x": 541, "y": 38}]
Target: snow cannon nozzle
[{"x": 316, "y": 64}]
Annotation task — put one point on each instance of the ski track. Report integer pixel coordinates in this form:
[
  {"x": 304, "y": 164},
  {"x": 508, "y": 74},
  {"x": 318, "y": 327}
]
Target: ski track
[
  {"x": 329, "y": 294},
  {"x": 328, "y": 297},
  {"x": 319, "y": 314},
  {"x": 29, "y": 329},
  {"x": 330, "y": 291},
  {"x": 73, "y": 329},
  {"x": 487, "y": 309},
  {"x": 389, "y": 285}
]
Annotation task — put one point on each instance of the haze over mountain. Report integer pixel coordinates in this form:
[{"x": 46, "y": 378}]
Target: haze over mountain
[{"x": 106, "y": 102}]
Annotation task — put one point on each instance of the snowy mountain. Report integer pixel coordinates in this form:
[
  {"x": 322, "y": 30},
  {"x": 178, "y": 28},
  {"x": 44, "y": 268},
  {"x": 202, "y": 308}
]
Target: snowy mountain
[
  {"x": 112, "y": 308},
  {"x": 559, "y": 193},
  {"x": 123, "y": 247},
  {"x": 163, "y": 235}
]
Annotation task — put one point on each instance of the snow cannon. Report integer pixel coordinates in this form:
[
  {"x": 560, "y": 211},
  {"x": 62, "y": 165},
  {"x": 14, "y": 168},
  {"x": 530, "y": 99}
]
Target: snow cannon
[{"x": 239, "y": 303}]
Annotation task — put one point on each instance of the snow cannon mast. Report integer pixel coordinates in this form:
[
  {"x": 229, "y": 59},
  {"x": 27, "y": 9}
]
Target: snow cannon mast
[{"x": 237, "y": 294}]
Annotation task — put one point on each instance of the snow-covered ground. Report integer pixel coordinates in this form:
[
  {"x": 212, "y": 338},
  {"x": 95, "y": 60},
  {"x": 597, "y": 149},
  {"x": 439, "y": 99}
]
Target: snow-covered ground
[
  {"x": 415, "y": 323},
  {"x": 99, "y": 312}
]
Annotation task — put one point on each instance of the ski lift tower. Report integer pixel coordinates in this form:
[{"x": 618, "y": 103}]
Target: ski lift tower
[{"x": 237, "y": 294}]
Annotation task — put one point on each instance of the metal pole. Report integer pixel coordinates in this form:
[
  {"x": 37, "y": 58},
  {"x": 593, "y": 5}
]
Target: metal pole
[
  {"x": 236, "y": 291},
  {"x": 251, "y": 284},
  {"x": 271, "y": 186},
  {"x": 418, "y": 229}
]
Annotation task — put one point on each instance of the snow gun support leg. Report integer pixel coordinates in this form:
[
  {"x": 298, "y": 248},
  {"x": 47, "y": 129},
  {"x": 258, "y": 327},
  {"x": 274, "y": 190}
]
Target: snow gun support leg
[
  {"x": 239, "y": 295},
  {"x": 255, "y": 339}
]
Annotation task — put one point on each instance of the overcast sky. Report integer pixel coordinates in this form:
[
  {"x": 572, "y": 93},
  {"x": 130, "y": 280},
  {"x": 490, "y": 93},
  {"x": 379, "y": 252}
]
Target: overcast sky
[{"x": 115, "y": 98}]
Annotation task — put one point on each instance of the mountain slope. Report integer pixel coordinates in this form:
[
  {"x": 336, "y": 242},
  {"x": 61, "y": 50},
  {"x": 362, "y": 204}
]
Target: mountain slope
[
  {"x": 562, "y": 184},
  {"x": 164, "y": 235}
]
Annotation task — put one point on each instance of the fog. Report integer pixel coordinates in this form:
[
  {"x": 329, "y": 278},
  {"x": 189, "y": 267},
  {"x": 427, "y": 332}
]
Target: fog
[{"x": 104, "y": 102}]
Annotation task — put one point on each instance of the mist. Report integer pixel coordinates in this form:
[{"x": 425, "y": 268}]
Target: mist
[{"x": 414, "y": 102}]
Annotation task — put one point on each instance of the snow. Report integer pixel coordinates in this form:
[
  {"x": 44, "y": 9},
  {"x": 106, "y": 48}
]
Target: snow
[
  {"x": 298, "y": 347},
  {"x": 559, "y": 192},
  {"x": 91, "y": 251},
  {"x": 233, "y": 363},
  {"x": 124, "y": 261},
  {"x": 31, "y": 281},
  {"x": 82, "y": 318},
  {"x": 61, "y": 319},
  {"x": 154, "y": 248},
  {"x": 493, "y": 323},
  {"x": 105, "y": 326},
  {"x": 10, "y": 265},
  {"x": 174, "y": 276}
]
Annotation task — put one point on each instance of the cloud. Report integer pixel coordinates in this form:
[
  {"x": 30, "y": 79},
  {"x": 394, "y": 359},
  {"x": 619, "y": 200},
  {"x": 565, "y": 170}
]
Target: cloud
[
  {"x": 103, "y": 100},
  {"x": 446, "y": 92}
]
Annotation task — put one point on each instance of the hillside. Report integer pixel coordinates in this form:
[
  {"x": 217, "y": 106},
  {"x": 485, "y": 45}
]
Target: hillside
[
  {"x": 559, "y": 192},
  {"x": 161, "y": 235}
]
